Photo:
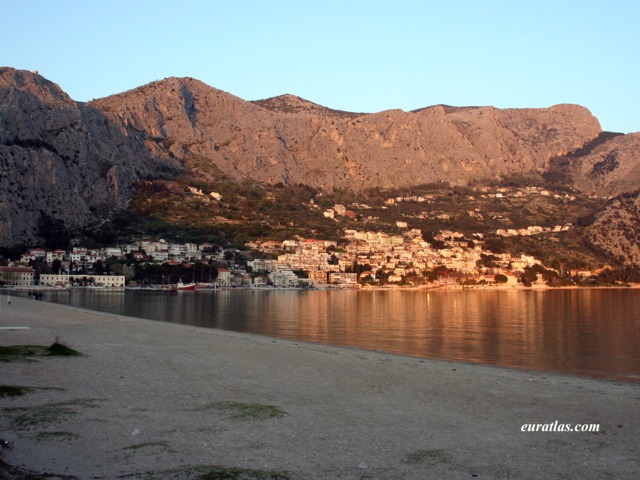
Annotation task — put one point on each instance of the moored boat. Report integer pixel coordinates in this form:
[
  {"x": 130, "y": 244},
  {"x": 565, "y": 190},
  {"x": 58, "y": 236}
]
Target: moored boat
[{"x": 185, "y": 286}]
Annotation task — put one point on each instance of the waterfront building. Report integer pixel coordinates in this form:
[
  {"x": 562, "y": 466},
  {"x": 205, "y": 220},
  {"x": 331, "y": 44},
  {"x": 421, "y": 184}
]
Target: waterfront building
[
  {"x": 224, "y": 277},
  {"x": 343, "y": 278},
  {"x": 317, "y": 277},
  {"x": 16, "y": 275},
  {"x": 284, "y": 278},
  {"x": 65, "y": 280}
]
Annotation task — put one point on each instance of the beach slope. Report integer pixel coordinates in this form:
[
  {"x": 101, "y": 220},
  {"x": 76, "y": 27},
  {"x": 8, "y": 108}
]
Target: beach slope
[{"x": 161, "y": 400}]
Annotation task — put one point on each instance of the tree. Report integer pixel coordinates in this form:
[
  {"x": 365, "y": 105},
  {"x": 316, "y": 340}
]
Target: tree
[
  {"x": 40, "y": 266},
  {"x": 529, "y": 277},
  {"x": 56, "y": 265},
  {"x": 98, "y": 267},
  {"x": 500, "y": 278},
  {"x": 112, "y": 262},
  {"x": 495, "y": 245},
  {"x": 229, "y": 255},
  {"x": 53, "y": 232},
  {"x": 439, "y": 271},
  {"x": 488, "y": 260}
]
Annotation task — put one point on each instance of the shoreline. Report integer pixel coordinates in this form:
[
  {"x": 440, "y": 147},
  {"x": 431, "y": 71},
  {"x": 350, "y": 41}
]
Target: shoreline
[
  {"x": 357, "y": 288},
  {"x": 587, "y": 368},
  {"x": 145, "y": 396}
]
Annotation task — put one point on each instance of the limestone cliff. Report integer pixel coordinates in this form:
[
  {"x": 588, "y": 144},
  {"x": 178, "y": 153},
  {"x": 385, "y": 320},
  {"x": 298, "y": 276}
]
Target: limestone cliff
[
  {"x": 288, "y": 139},
  {"x": 60, "y": 159},
  {"x": 612, "y": 168},
  {"x": 616, "y": 230},
  {"x": 77, "y": 162}
]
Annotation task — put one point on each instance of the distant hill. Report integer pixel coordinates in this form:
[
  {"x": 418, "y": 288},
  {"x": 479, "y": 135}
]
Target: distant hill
[
  {"x": 292, "y": 104},
  {"x": 77, "y": 163}
]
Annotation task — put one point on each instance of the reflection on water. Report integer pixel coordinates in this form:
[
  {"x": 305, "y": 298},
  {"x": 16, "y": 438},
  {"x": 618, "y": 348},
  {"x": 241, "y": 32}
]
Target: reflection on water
[{"x": 590, "y": 331}]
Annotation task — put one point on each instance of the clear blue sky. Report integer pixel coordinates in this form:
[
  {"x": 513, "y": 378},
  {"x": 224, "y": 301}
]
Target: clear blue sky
[{"x": 358, "y": 55}]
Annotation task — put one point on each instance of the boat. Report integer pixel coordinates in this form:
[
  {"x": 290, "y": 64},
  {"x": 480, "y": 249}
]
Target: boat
[{"x": 185, "y": 286}]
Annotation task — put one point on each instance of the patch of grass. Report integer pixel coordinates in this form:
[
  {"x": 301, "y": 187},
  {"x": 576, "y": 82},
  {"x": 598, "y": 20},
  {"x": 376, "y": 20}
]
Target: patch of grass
[
  {"x": 29, "y": 417},
  {"x": 9, "y": 472},
  {"x": 222, "y": 473},
  {"x": 429, "y": 458},
  {"x": 56, "y": 436},
  {"x": 140, "y": 446},
  {"x": 146, "y": 448},
  {"x": 19, "y": 390},
  {"x": 211, "y": 472},
  {"x": 59, "y": 349},
  {"x": 14, "y": 390},
  {"x": 14, "y": 353},
  {"x": 17, "y": 353},
  {"x": 246, "y": 411}
]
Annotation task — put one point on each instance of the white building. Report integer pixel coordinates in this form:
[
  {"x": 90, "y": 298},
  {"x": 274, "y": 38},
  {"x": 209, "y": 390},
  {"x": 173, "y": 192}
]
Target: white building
[
  {"x": 343, "y": 278},
  {"x": 112, "y": 252},
  {"x": 160, "y": 255},
  {"x": 284, "y": 278},
  {"x": 78, "y": 255},
  {"x": 63, "y": 280},
  {"x": 224, "y": 277},
  {"x": 340, "y": 209},
  {"x": 177, "y": 249},
  {"x": 261, "y": 264}
]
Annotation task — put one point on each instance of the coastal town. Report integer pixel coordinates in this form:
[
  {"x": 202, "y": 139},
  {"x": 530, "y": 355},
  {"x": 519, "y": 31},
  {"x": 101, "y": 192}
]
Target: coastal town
[{"x": 363, "y": 259}]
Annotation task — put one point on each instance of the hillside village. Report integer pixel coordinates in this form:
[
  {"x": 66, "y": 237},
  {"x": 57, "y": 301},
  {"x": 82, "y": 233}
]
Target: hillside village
[
  {"x": 360, "y": 259},
  {"x": 280, "y": 172},
  {"x": 363, "y": 259}
]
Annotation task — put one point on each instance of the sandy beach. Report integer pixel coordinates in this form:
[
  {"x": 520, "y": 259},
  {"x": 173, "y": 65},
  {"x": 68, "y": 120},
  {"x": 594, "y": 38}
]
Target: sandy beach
[{"x": 160, "y": 400}]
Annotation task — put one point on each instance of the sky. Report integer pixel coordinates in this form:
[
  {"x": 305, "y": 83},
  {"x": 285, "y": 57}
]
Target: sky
[{"x": 354, "y": 55}]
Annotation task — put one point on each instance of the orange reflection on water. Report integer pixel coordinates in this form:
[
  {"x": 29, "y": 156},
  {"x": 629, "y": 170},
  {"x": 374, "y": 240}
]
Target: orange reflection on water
[
  {"x": 592, "y": 332},
  {"x": 583, "y": 331}
]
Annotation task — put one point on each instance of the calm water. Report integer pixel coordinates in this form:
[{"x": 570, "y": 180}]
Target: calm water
[{"x": 587, "y": 332}]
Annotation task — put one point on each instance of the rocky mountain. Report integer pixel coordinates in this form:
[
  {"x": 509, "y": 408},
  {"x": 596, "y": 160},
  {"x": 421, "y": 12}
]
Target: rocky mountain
[
  {"x": 61, "y": 160},
  {"x": 290, "y": 140},
  {"x": 616, "y": 230},
  {"x": 611, "y": 168},
  {"x": 72, "y": 162},
  {"x": 291, "y": 104}
]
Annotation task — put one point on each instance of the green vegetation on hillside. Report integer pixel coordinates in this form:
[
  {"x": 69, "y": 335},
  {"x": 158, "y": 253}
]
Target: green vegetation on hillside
[{"x": 230, "y": 214}]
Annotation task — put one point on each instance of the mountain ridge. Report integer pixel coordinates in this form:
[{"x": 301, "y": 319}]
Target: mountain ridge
[
  {"x": 78, "y": 162},
  {"x": 283, "y": 139}
]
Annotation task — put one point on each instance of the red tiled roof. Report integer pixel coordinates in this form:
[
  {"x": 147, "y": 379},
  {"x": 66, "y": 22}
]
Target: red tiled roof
[{"x": 17, "y": 269}]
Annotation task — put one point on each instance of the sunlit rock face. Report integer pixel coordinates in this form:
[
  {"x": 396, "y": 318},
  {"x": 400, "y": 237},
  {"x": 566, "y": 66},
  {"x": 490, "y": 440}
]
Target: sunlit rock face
[{"x": 79, "y": 162}]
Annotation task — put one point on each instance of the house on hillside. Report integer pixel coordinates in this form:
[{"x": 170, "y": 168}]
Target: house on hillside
[{"x": 317, "y": 277}]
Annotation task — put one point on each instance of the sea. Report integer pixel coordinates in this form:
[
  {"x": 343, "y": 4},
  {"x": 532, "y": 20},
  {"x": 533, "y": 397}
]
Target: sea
[{"x": 586, "y": 332}]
